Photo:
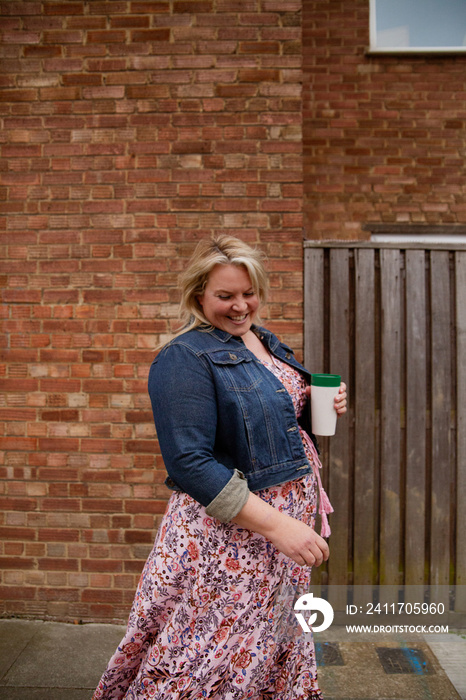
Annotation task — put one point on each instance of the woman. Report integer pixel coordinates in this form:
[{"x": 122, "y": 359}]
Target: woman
[{"x": 213, "y": 612}]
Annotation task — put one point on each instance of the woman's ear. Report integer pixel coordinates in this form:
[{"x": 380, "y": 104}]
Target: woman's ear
[{"x": 200, "y": 300}]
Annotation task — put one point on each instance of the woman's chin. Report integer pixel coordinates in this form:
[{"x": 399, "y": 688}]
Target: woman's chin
[{"x": 238, "y": 328}]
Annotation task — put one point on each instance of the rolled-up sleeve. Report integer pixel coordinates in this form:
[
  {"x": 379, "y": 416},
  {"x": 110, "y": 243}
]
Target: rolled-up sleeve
[
  {"x": 184, "y": 404},
  {"x": 228, "y": 503}
]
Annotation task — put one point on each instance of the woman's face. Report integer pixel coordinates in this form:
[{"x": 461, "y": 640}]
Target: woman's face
[{"x": 229, "y": 301}]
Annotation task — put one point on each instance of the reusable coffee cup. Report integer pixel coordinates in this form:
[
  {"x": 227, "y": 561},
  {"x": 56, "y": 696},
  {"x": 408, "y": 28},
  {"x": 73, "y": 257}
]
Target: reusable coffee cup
[{"x": 324, "y": 388}]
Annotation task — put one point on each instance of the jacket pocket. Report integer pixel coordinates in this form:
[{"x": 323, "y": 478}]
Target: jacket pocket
[{"x": 237, "y": 370}]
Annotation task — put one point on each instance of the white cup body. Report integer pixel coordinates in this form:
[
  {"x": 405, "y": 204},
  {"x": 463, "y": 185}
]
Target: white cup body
[{"x": 324, "y": 416}]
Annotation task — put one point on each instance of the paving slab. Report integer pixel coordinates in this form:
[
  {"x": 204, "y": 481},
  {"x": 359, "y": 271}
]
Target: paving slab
[
  {"x": 40, "y": 660},
  {"x": 382, "y": 667},
  {"x": 15, "y": 635},
  {"x": 450, "y": 651},
  {"x": 45, "y": 694}
]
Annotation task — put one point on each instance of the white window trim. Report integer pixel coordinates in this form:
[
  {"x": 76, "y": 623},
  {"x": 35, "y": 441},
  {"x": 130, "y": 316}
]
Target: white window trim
[
  {"x": 417, "y": 234},
  {"x": 374, "y": 49},
  {"x": 453, "y": 239}
]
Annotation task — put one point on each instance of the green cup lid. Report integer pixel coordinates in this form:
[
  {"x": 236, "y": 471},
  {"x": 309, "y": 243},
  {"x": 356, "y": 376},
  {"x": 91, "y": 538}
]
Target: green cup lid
[{"x": 325, "y": 379}]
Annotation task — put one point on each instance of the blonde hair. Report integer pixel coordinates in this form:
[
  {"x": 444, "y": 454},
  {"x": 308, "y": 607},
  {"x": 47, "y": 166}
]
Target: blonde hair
[{"x": 209, "y": 252}]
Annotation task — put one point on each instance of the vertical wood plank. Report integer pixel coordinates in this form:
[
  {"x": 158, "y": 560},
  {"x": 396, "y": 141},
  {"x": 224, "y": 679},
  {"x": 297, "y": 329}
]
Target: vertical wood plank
[
  {"x": 339, "y": 458},
  {"x": 314, "y": 330},
  {"x": 390, "y": 515},
  {"x": 460, "y": 579},
  {"x": 441, "y": 409},
  {"x": 365, "y": 497},
  {"x": 416, "y": 407},
  {"x": 314, "y": 309}
]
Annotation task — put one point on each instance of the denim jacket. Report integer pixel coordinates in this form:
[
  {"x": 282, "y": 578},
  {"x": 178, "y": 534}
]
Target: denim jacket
[{"x": 225, "y": 423}]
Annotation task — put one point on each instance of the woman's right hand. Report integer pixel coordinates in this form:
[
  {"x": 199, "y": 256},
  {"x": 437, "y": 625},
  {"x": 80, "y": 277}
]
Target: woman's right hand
[
  {"x": 289, "y": 535},
  {"x": 299, "y": 541}
]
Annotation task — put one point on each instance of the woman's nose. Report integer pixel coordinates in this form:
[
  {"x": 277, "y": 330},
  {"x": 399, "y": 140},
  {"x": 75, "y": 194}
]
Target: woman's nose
[{"x": 240, "y": 304}]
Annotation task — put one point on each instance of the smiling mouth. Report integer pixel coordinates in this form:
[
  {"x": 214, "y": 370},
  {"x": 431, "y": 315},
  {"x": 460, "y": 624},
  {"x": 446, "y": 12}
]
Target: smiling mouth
[{"x": 238, "y": 319}]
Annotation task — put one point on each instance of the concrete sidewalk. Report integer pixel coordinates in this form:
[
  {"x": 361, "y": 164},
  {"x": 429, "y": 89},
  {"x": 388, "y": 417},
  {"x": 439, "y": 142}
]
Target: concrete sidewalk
[
  {"x": 388, "y": 667},
  {"x": 57, "y": 661}
]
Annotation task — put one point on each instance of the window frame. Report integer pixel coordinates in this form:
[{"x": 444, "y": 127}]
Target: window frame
[
  {"x": 422, "y": 235},
  {"x": 374, "y": 49}
]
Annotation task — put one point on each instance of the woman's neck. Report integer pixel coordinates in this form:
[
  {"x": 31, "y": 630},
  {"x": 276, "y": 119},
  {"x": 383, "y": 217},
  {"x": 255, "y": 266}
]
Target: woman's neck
[{"x": 256, "y": 346}]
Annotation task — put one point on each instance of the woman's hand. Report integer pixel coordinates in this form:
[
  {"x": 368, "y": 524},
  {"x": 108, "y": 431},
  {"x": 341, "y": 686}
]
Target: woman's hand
[
  {"x": 340, "y": 399},
  {"x": 290, "y": 536},
  {"x": 299, "y": 542}
]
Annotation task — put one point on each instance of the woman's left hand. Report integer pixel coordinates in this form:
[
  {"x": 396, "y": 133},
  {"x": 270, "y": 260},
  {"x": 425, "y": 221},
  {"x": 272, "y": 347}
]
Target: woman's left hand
[{"x": 340, "y": 399}]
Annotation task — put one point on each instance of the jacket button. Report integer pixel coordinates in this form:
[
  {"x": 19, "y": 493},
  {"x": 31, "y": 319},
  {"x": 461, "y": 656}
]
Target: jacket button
[
  {"x": 288, "y": 355},
  {"x": 233, "y": 357}
]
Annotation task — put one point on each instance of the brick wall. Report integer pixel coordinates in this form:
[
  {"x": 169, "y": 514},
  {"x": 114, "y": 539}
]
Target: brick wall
[
  {"x": 384, "y": 137},
  {"x": 129, "y": 130}
]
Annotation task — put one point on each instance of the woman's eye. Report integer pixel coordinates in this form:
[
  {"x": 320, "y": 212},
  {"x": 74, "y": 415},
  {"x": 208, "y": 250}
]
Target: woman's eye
[{"x": 226, "y": 297}]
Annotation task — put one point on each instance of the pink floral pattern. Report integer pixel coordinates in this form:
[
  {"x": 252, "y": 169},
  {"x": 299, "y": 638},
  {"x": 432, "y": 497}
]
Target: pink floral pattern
[{"x": 213, "y": 612}]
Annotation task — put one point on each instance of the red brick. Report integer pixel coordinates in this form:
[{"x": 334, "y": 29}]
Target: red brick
[
  {"x": 139, "y": 417},
  {"x": 58, "y": 594},
  {"x": 129, "y": 22},
  {"x": 258, "y": 75},
  {"x": 18, "y": 443},
  {"x": 60, "y": 415},
  {"x": 60, "y": 504},
  {"x": 102, "y": 385},
  {"x": 147, "y": 506},
  {"x": 259, "y": 47},
  {"x": 106, "y": 37},
  {"x": 22, "y": 414},
  {"x": 62, "y": 37},
  {"x": 145, "y": 35},
  {"x": 24, "y": 95},
  {"x": 81, "y": 79},
  {"x": 138, "y": 536},
  {"x": 103, "y": 296},
  {"x": 22, "y": 8},
  {"x": 59, "y": 444},
  {"x": 85, "y": 22},
  {"x": 58, "y": 535},
  {"x": 150, "y": 7},
  {"x": 100, "y": 505},
  {"x": 107, "y": 446},
  {"x": 193, "y": 7},
  {"x": 17, "y": 592},
  {"x": 56, "y": 94},
  {"x": 103, "y": 596},
  {"x": 108, "y": 565},
  {"x": 58, "y": 564},
  {"x": 64, "y": 8},
  {"x": 17, "y": 533},
  {"x": 146, "y": 92},
  {"x": 60, "y": 385}
]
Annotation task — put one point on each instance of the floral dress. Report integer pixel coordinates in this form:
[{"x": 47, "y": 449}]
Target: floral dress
[{"x": 213, "y": 612}]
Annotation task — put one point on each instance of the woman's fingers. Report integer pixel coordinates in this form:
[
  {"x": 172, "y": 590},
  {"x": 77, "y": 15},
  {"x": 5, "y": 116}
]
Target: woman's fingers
[
  {"x": 299, "y": 541},
  {"x": 317, "y": 553},
  {"x": 313, "y": 557},
  {"x": 340, "y": 400}
]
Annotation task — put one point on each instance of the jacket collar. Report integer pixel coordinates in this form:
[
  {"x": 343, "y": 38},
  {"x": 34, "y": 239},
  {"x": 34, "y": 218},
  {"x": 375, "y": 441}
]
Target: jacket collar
[
  {"x": 223, "y": 336},
  {"x": 270, "y": 339}
]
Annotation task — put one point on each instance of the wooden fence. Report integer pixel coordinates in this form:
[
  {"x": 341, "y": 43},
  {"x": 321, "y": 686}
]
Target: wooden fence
[{"x": 391, "y": 319}]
